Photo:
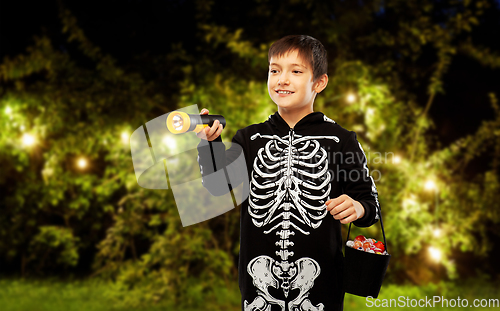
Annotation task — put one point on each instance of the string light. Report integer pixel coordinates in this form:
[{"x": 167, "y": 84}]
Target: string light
[
  {"x": 351, "y": 98},
  {"x": 430, "y": 185},
  {"x": 435, "y": 253},
  {"x": 28, "y": 140},
  {"x": 125, "y": 137},
  {"x": 436, "y": 232},
  {"x": 396, "y": 159},
  {"x": 82, "y": 163}
]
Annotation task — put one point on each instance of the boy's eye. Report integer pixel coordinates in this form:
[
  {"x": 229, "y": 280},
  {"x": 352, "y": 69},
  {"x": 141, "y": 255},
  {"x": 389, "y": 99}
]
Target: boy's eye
[
  {"x": 297, "y": 71},
  {"x": 273, "y": 71}
]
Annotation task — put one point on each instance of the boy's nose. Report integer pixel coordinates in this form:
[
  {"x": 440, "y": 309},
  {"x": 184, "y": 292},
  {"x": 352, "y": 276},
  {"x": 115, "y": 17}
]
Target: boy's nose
[{"x": 283, "y": 80}]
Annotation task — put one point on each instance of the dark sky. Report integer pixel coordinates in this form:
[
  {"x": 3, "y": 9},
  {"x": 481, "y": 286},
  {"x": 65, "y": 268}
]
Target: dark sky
[{"x": 125, "y": 28}]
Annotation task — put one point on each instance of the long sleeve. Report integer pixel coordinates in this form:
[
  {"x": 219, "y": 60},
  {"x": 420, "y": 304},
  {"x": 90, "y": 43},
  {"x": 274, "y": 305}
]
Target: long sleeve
[
  {"x": 357, "y": 182},
  {"x": 221, "y": 169}
]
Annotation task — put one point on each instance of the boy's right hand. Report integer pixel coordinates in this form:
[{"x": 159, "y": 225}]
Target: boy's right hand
[{"x": 210, "y": 133}]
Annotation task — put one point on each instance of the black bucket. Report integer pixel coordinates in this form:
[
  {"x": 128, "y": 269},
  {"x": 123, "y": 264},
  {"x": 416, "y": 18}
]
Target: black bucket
[{"x": 364, "y": 272}]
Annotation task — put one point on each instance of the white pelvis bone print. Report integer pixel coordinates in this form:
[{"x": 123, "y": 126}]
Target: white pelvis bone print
[{"x": 289, "y": 187}]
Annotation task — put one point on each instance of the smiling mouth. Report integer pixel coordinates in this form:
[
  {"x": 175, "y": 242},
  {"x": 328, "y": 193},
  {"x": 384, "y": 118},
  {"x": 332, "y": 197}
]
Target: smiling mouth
[{"x": 284, "y": 92}]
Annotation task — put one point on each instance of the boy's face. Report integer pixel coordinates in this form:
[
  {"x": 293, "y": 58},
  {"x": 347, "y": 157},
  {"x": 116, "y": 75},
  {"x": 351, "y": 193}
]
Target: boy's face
[{"x": 290, "y": 83}]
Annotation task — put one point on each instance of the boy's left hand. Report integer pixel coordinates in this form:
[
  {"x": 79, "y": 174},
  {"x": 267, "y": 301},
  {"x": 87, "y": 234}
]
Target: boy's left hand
[{"x": 345, "y": 208}]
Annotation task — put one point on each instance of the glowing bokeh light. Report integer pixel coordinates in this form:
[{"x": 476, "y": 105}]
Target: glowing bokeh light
[
  {"x": 436, "y": 232},
  {"x": 351, "y": 98},
  {"x": 125, "y": 137},
  {"x": 8, "y": 110},
  {"x": 396, "y": 159},
  {"x": 430, "y": 185},
  {"x": 82, "y": 163},
  {"x": 435, "y": 253},
  {"x": 28, "y": 140}
]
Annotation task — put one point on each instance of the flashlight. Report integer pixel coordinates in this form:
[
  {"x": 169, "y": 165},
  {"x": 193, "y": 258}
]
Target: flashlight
[{"x": 181, "y": 122}]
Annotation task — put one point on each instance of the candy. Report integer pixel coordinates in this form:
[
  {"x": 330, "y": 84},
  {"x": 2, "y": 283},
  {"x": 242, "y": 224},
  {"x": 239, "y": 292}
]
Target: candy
[
  {"x": 380, "y": 245},
  {"x": 358, "y": 244},
  {"x": 367, "y": 245},
  {"x": 360, "y": 238}
]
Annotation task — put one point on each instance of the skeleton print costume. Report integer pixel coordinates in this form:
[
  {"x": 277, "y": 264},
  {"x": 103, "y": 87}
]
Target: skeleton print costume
[{"x": 290, "y": 245}]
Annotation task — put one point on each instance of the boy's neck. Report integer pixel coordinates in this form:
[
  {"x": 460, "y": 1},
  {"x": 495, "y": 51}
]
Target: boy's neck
[{"x": 292, "y": 117}]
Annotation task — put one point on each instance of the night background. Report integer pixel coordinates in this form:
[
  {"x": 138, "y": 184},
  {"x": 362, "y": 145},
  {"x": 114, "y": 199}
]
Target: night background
[{"x": 419, "y": 80}]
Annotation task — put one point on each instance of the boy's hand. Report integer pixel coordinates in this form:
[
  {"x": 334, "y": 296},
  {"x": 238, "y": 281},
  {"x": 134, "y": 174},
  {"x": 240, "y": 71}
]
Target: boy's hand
[
  {"x": 345, "y": 209},
  {"x": 210, "y": 133}
]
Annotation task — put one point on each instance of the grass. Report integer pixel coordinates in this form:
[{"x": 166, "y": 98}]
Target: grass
[
  {"x": 29, "y": 295},
  {"x": 90, "y": 295}
]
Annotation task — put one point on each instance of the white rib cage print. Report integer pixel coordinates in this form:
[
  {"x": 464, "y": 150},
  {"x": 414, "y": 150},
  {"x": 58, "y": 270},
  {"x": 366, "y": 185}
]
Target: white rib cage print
[{"x": 290, "y": 175}]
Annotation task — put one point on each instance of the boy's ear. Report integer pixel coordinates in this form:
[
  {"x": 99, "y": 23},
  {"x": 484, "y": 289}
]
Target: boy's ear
[{"x": 321, "y": 83}]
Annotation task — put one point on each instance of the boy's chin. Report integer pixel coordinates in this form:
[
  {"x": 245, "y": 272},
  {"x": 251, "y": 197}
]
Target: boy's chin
[
  {"x": 284, "y": 103},
  {"x": 288, "y": 108}
]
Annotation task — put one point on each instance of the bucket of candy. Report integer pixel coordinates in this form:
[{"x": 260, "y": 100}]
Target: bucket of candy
[{"x": 365, "y": 264}]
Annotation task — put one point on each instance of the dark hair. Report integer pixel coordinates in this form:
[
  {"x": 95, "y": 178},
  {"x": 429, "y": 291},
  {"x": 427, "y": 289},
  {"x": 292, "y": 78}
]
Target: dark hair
[{"x": 309, "y": 48}]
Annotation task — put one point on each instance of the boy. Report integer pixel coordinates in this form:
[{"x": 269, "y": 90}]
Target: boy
[{"x": 301, "y": 166}]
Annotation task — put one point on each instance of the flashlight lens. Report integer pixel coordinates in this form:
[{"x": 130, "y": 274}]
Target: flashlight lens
[{"x": 178, "y": 122}]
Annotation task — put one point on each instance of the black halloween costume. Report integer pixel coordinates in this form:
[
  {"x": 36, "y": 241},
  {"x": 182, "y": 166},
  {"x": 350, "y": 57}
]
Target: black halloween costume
[{"x": 290, "y": 245}]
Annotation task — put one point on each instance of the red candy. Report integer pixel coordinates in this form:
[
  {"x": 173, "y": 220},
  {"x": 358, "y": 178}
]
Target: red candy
[
  {"x": 380, "y": 246},
  {"x": 360, "y": 238}
]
